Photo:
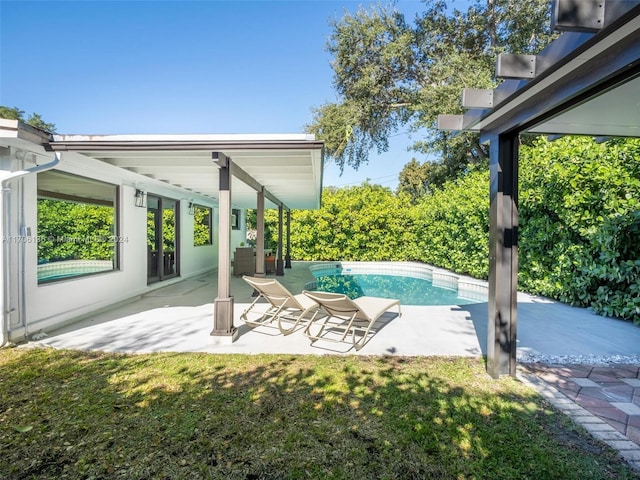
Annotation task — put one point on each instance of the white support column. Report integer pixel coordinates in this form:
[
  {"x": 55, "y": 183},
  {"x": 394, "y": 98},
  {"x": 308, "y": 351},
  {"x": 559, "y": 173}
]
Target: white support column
[
  {"x": 223, "y": 304},
  {"x": 260, "y": 236},
  {"x": 279, "y": 261}
]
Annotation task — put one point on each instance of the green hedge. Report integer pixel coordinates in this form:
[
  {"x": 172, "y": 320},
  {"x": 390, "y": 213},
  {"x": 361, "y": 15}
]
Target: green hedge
[
  {"x": 579, "y": 228},
  {"x": 580, "y": 223},
  {"x": 367, "y": 222},
  {"x": 74, "y": 231},
  {"x": 451, "y": 226}
]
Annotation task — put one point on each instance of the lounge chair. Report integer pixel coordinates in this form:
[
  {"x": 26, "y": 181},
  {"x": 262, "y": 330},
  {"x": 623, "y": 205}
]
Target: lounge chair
[
  {"x": 282, "y": 305},
  {"x": 346, "y": 316}
]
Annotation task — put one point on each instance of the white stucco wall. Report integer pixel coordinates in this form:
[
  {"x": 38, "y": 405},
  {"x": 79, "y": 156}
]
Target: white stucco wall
[
  {"x": 239, "y": 236},
  {"x": 53, "y": 304}
]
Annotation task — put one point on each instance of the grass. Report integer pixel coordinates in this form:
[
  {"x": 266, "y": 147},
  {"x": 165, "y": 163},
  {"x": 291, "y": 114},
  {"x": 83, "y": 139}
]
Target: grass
[{"x": 78, "y": 415}]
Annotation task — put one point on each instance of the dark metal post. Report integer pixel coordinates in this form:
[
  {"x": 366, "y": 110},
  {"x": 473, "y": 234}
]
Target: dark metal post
[
  {"x": 287, "y": 255},
  {"x": 503, "y": 255}
]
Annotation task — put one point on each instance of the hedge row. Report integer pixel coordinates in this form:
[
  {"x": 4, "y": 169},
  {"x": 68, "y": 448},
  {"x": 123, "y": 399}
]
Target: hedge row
[{"x": 579, "y": 226}]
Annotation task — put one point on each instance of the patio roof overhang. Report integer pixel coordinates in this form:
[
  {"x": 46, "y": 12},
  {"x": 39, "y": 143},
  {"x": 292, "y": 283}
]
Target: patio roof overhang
[
  {"x": 586, "y": 82},
  {"x": 287, "y": 168}
]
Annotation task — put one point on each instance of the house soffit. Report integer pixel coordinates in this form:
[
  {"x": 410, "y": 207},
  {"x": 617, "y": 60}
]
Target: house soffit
[{"x": 289, "y": 167}]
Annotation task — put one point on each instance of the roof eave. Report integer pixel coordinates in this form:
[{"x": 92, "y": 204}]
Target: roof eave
[{"x": 572, "y": 70}]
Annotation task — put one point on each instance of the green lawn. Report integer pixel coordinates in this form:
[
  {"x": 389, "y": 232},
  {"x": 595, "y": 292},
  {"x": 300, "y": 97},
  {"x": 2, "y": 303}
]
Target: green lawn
[{"x": 77, "y": 415}]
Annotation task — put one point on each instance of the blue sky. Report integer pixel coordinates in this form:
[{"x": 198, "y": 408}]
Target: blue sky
[{"x": 105, "y": 67}]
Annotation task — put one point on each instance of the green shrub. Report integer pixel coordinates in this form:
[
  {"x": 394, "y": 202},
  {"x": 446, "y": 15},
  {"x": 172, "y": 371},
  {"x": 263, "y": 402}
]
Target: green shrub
[
  {"x": 366, "y": 222},
  {"x": 452, "y": 226},
  {"x": 580, "y": 223}
]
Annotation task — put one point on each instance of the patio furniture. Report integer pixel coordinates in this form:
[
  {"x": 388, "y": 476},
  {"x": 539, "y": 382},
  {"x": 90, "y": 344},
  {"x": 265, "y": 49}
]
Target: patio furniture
[
  {"x": 244, "y": 261},
  {"x": 346, "y": 316},
  {"x": 282, "y": 305}
]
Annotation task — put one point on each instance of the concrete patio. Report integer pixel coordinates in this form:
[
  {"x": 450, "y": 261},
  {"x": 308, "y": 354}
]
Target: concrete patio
[{"x": 179, "y": 318}]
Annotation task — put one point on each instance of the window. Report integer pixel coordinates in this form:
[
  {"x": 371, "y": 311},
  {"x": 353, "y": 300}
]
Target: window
[
  {"x": 77, "y": 226},
  {"x": 202, "y": 226},
  {"x": 235, "y": 219}
]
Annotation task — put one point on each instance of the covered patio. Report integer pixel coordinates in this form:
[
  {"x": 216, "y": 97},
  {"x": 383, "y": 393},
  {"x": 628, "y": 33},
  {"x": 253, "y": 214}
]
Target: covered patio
[
  {"x": 258, "y": 171},
  {"x": 581, "y": 84}
]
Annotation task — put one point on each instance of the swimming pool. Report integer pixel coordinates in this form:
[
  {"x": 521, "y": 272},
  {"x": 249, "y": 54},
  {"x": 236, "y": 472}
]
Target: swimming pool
[{"x": 411, "y": 283}]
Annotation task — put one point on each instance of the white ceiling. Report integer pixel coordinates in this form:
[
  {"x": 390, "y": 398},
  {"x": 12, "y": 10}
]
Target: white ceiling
[
  {"x": 289, "y": 167},
  {"x": 613, "y": 113}
]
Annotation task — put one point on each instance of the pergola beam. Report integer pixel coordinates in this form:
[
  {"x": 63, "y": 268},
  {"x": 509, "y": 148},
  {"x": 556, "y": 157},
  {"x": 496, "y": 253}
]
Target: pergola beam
[
  {"x": 244, "y": 177},
  {"x": 577, "y": 74}
]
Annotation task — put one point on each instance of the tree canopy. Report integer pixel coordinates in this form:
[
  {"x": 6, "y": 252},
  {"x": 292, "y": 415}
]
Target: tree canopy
[
  {"x": 390, "y": 74},
  {"x": 34, "y": 119}
]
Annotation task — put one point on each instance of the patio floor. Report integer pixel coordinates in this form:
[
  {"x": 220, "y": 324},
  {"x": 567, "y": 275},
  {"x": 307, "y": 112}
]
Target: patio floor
[{"x": 179, "y": 318}]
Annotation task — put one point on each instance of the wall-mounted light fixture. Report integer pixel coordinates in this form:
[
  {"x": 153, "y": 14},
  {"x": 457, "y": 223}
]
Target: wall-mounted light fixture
[
  {"x": 192, "y": 208},
  {"x": 141, "y": 198}
]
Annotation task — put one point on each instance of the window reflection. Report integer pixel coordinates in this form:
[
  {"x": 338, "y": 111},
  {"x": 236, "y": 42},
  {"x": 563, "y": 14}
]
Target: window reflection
[{"x": 76, "y": 227}]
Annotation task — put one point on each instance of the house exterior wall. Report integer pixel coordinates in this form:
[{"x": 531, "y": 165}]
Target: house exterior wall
[
  {"x": 9, "y": 162},
  {"x": 239, "y": 236},
  {"x": 50, "y": 305}
]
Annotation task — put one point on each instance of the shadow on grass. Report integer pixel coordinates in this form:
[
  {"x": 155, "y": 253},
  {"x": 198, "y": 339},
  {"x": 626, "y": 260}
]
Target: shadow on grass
[{"x": 90, "y": 415}]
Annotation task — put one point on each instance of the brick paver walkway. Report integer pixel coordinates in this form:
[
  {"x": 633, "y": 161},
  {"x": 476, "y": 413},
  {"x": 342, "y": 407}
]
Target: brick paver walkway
[{"x": 604, "y": 399}]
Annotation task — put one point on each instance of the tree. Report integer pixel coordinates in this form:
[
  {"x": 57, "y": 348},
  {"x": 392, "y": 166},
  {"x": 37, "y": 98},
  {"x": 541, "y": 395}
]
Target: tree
[
  {"x": 373, "y": 57},
  {"x": 389, "y": 74},
  {"x": 11, "y": 113},
  {"x": 202, "y": 226},
  {"x": 412, "y": 180},
  {"x": 417, "y": 179},
  {"x": 35, "y": 120}
]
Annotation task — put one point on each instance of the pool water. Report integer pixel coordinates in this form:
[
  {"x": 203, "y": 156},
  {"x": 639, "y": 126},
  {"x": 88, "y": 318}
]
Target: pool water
[{"x": 409, "y": 290}]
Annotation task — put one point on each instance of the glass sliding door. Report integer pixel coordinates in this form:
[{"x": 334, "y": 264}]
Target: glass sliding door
[
  {"x": 154, "y": 239},
  {"x": 162, "y": 235},
  {"x": 169, "y": 238}
]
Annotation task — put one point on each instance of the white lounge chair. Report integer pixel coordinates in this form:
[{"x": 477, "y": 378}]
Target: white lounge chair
[
  {"x": 346, "y": 316},
  {"x": 282, "y": 305}
]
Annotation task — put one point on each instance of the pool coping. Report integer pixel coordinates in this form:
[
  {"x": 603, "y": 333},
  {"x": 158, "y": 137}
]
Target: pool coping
[{"x": 466, "y": 287}]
